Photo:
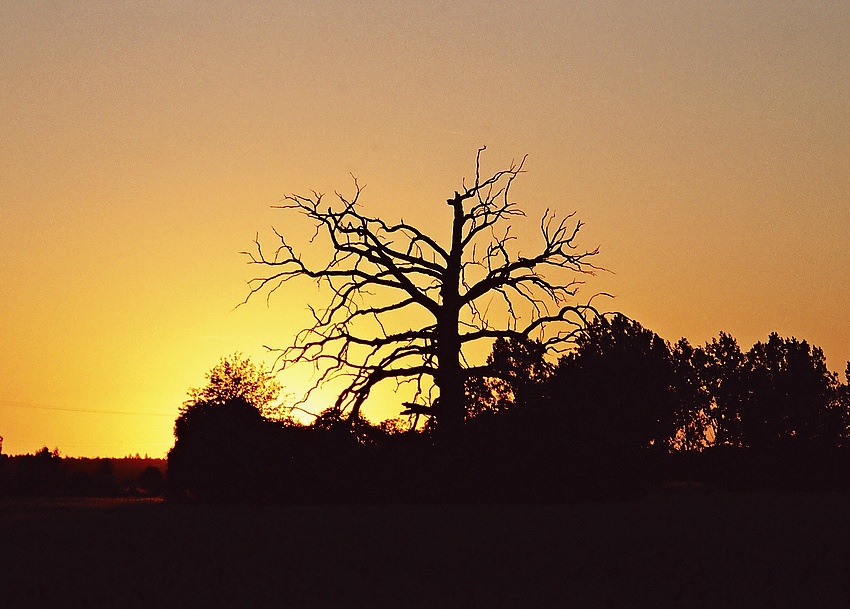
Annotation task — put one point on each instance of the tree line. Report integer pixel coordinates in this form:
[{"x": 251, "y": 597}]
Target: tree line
[
  {"x": 620, "y": 409},
  {"x": 624, "y": 412},
  {"x": 46, "y": 473},
  {"x": 630, "y": 389}
]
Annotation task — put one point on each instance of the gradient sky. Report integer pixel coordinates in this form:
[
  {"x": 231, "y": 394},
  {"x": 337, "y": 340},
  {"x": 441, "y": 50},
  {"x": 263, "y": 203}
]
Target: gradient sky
[{"x": 706, "y": 145}]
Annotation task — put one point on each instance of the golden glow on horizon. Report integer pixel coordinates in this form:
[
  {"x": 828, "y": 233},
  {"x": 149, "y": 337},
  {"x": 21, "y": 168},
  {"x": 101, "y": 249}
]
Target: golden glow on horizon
[{"x": 703, "y": 144}]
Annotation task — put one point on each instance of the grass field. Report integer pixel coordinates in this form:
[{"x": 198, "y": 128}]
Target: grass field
[{"x": 671, "y": 549}]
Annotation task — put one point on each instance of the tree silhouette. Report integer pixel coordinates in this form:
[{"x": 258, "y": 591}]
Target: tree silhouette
[
  {"x": 39, "y": 474},
  {"x": 516, "y": 368},
  {"x": 618, "y": 387},
  {"x": 237, "y": 377},
  {"x": 724, "y": 373},
  {"x": 695, "y": 426},
  {"x": 405, "y": 307},
  {"x": 218, "y": 449},
  {"x": 792, "y": 395},
  {"x": 225, "y": 431}
]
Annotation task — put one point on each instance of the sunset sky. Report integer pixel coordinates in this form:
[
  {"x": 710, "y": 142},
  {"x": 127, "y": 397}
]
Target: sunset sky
[{"x": 706, "y": 145}]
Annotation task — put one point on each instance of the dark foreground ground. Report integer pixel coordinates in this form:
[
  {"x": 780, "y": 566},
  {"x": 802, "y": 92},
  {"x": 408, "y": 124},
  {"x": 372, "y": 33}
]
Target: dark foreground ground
[{"x": 674, "y": 549}]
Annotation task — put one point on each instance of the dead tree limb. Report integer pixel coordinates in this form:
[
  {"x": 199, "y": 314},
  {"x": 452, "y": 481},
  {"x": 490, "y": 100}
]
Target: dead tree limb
[{"x": 383, "y": 278}]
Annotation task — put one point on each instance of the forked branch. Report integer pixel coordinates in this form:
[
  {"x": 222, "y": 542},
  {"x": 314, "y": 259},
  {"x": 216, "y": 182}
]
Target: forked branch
[{"x": 403, "y": 306}]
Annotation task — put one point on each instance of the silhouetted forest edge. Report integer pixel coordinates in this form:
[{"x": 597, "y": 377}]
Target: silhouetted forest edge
[
  {"x": 47, "y": 474},
  {"x": 623, "y": 414}
]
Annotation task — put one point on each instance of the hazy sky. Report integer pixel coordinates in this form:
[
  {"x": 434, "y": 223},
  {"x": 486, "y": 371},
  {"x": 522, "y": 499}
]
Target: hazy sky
[{"x": 706, "y": 145}]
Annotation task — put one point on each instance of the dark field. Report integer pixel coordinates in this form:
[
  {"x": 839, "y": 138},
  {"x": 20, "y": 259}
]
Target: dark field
[{"x": 673, "y": 549}]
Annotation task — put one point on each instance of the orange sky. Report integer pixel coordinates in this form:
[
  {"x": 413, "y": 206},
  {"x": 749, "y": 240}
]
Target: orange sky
[{"x": 706, "y": 145}]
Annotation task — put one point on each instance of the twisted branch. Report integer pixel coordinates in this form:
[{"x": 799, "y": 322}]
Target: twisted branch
[{"x": 382, "y": 276}]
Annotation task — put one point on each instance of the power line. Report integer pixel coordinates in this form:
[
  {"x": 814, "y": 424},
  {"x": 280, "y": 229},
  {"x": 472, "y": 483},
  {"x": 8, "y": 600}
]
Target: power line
[{"x": 31, "y": 406}]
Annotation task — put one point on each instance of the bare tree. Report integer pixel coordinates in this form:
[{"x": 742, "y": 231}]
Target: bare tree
[{"x": 384, "y": 278}]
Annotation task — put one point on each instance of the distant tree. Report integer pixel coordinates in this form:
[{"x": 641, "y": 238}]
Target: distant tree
[
  {"x": 724, "y": 372},
  {"x": 216, "y": 421},
  {"x": 618, "y": 386},
  {"x": 237, "y": 377},
  {"x": 516, "y": 368},
  {"x": 222, "y": 430},
  {"x": 218, "y": 448},
  {"x": 793, "y": 395},
  {"x": 405, "y": 307},
  {"x": 358, "y": 430},
  {"x": 395, "y": 426},
  {"x": 695, "y": 427},
  {"x": 40, "y": 474}
]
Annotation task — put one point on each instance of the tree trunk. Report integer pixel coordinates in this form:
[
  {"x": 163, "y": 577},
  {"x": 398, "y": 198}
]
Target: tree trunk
[
  {"x": 450, "y": 379},
  {"x": 451, "y": 411}
]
